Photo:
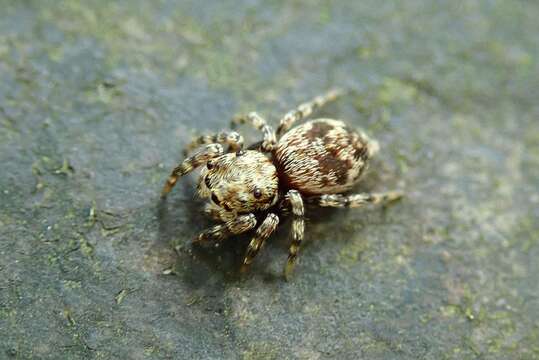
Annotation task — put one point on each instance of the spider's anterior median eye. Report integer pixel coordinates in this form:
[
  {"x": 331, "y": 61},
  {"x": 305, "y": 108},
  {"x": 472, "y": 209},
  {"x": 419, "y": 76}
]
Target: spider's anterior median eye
[
  {"x": 257, "y": 193},
  {"x": 210, "y": 165}
]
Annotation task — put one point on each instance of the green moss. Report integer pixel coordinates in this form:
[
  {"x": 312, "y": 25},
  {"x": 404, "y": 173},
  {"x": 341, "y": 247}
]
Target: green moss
[
  {"x": 86, "y": 248},
  {"x": 352, "y": 252},
  {"x": 70, "y": 284},
  {"x": 394, "y": 90},
  {"x": 325, "y": 12},
  {"x": 260, "y": 351},
  {"x": 150, "y": 350}
]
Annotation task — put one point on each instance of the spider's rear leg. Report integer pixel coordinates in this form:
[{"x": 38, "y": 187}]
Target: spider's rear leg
[
  {"x": 355, "y": 200},
  {"x": 306, "y": 109},
  {"x": 264, "y": 231},
  {"x": 232, "y": 138},
  {"x": 298, "y": 229},
  {"x": 255, "y": 120},
  {"x": 209, "y": 152},
  {"x": 235, "y": 226}
]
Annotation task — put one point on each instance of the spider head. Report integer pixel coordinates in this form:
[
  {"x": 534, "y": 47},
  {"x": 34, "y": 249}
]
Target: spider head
[{"x": 240, "y": 182}]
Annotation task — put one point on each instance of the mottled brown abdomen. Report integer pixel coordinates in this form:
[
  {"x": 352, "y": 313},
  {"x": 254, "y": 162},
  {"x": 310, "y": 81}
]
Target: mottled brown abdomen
[{"x": 323, "y": 156}]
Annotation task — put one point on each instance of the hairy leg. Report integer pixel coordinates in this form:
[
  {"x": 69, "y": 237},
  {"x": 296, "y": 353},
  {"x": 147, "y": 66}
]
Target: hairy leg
[
  {"x": 306, "y": 109},
  {"x": 355, "y": 200},
  {"x": 269, "y": 137},
  {"x": 218, "y": 213},
  {"x": 233, "y": 139},
  {"x": 213, "y": 211},
  {"x": 267, "y": 227},
  {"x": 298, "y": 229},
  {"x": 235, "y": 226},
  {"x": 209, "y": 152}
]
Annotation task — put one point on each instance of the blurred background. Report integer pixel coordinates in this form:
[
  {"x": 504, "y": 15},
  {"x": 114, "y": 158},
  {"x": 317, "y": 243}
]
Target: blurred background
[{"x": 98, "y": 98}]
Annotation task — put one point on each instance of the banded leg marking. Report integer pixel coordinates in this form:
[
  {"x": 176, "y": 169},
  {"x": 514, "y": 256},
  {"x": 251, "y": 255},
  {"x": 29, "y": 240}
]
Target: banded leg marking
[
  {"x": 298, "y": 230},
  {"x": 231, "y": 138},
  {"x": 255, "y": 120},
  {"x": 209, "y": 152},
  {"x": 306, "y": 109},
  {"x": 263, "y": 232},
  {"x": 355, "y": 200},
  {"x": 235, "y": 226}
]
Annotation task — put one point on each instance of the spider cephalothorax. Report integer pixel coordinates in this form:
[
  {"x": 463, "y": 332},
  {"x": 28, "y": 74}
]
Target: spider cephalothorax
[
  {"x": 240, "y": 182},
  {"x": 317, "y": 162}
]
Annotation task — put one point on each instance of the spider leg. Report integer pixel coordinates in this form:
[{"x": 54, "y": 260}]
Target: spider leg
[
  {"x": 269, "y": 137},
  {"x": 218, "y": 213},
  {"x": 235, "y": 226},
  {"x": 355, "y": 200},
  {"x": 298, "y": 228},
  {"x": 209, "y": 152},
  {"x": 306, "y": 109},
  {"x": 372, "y": 145},
  {"x": 213, "y": 211},
  {"x": 233, "y": 139},
  {"x": 267, "y": 227}
]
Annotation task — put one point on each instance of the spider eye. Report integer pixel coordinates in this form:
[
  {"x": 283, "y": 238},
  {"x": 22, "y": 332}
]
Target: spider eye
[
  {"x": 210, "y": 165},
  {"x": 257, "y": 193}
]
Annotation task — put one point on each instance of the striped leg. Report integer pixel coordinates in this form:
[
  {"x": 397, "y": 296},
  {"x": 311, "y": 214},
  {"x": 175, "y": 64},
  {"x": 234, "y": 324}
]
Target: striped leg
[
  {"x": 307, "y": 109},
  {"x": 213, "y": 211},
  {"x": 269, "y": 138},
  {"x": 233, "y": 139},
  {"x": 218, "y": 213},
  {"x": 264, "y": 231},
  {"x": 235, "y": 226},
  {"x": 298, "y": 228},
  {"x": 209, "y": 152},
  {"x": 355, "y": 200}
]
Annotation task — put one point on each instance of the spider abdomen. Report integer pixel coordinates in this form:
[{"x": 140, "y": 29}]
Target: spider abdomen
[{"x": 323, "y": 156}]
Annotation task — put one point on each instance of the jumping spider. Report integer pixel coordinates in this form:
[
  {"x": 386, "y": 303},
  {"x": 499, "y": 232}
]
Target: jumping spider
[{"x": 316, "y": 162}]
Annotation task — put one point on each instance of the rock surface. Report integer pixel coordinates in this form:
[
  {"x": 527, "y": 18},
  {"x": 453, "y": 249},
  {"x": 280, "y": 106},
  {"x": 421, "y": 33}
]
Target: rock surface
[{"x": 97, "y": 99}]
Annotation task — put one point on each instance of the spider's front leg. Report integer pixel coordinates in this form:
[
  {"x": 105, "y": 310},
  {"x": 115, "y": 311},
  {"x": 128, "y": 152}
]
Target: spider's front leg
[
  {"x": 298, "y": 229},
  {"x": 231, "y": 138},
  {"x": 218, "y": 213},
  {"x": 355, "y": 200},
  {"x": 209, "y": 152},
  {"x": 306, "y": 109},
  {"x": 236, "y": 226},
  {"x": 264, "y": 231},
  {"x": 269, "y": 137},
  {"x": 213, "y": 211}
]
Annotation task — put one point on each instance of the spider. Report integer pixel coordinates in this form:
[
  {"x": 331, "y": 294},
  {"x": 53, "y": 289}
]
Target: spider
[{"x": 316, "y": 162}]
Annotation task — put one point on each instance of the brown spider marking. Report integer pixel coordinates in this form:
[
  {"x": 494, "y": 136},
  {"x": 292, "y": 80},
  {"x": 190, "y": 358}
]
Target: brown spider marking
[
  {"x": 317, "y": 162},
  {"x": 319, "y": 129}
]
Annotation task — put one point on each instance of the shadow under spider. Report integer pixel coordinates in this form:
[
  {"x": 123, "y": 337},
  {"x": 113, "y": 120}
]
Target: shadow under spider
[{"x": 181, "y": 218}]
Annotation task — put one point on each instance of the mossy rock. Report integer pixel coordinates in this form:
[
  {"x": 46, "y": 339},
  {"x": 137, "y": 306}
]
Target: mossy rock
[{"x": 97, "y": 99}]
